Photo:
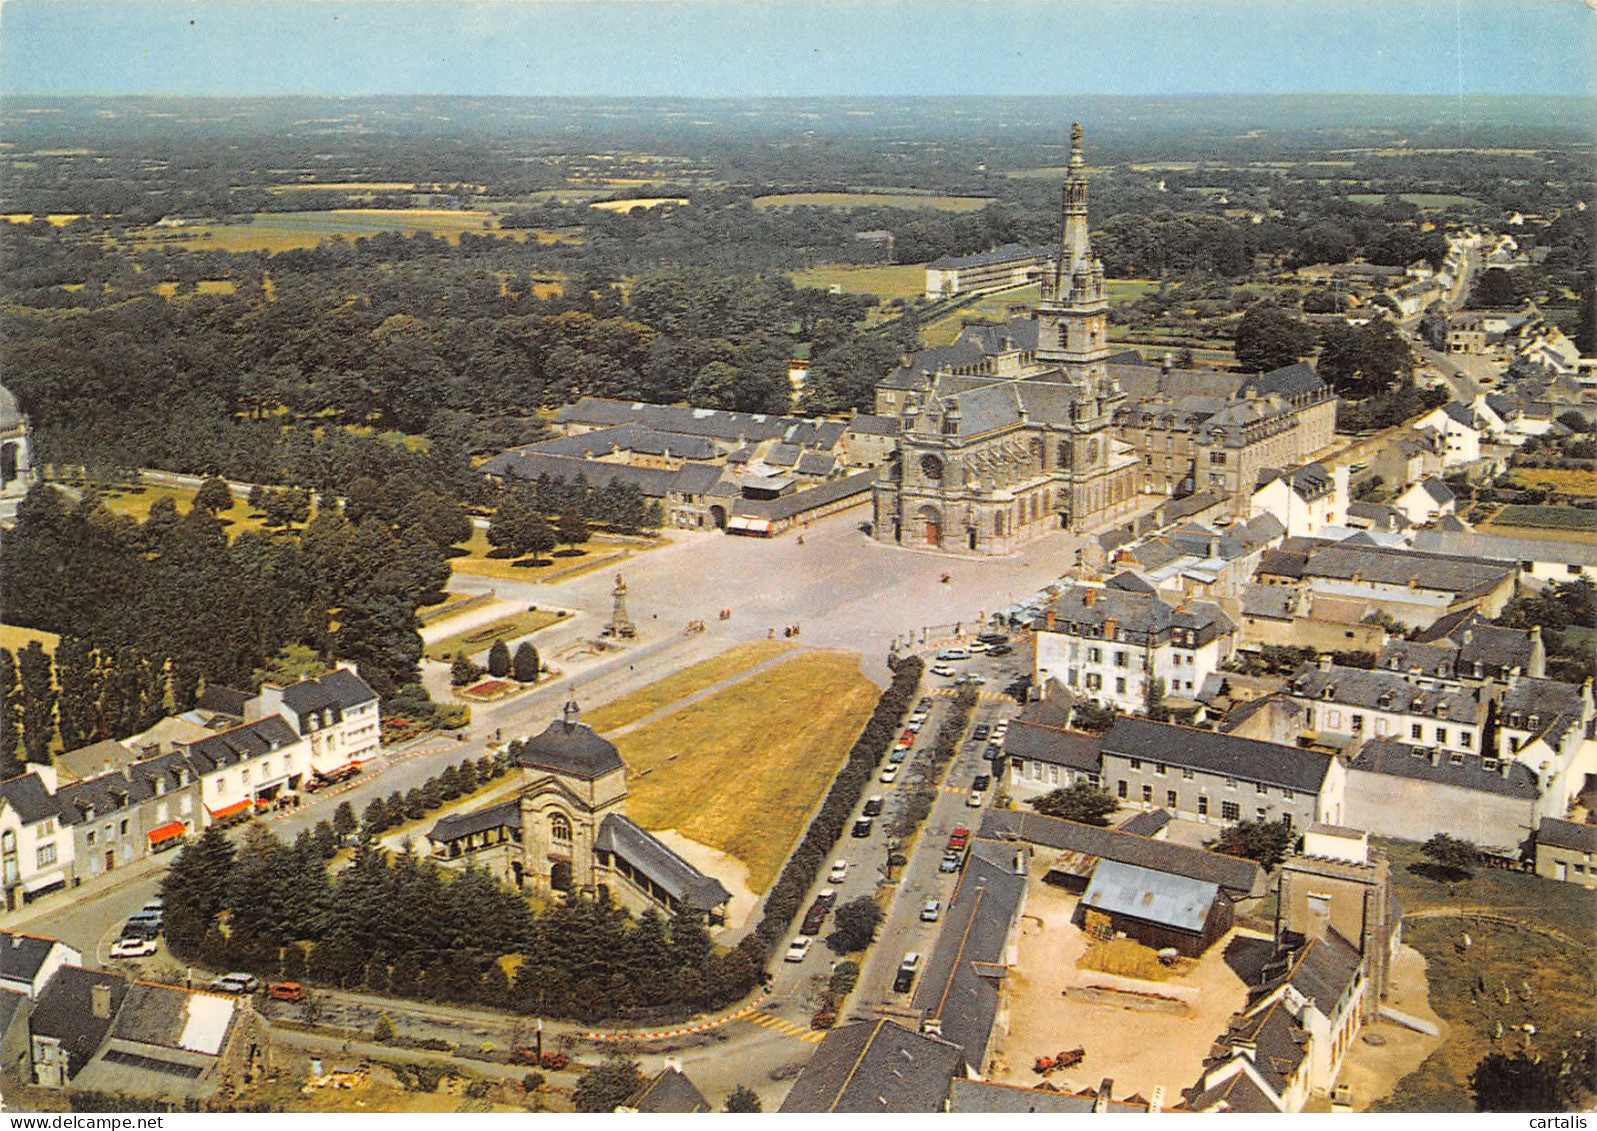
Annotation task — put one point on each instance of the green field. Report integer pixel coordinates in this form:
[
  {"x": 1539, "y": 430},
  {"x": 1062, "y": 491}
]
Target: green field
[
  {"x": 286, "y": 231},
  {"x": 871, "y": 199},
  {"x": 887, "y": 281},
  {"x": 1422, "y": 199},
  {"x": 1553, "y": 518}
]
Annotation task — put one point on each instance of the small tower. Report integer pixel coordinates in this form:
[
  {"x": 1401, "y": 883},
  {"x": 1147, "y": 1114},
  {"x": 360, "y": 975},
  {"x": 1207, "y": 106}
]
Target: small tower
[
  {"x": 569, "y": 713},
  {"x": 620, "y": 625}
]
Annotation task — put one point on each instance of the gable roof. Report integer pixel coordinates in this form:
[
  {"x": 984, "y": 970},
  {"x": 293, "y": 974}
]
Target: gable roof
[
  {"x": 1239, "y": 877},
  {"x": 1388, "y": 758},
  {"x": 1379, "y": 690},
  {"x": 241, "y": 743},
  {"x": 1037, "y": 742},
  {"x": 985, "y": 1097},
  {"x": 1155, "y": 897},
  {"x": 1343, "y": 561},
  {"x": 65, "y": 1011},
  {"x": 671, "y": 1092},
  {"x": 1290, "y": 381},
  {"x": 23, "y": 956},
  {"x": 339, "y": 688},
  {"x": 507, "y": 814},
  {"x": 30, "y": 797},
  {"x": 876, "y": 1067},
  {"x": 647, "y": 854},
  {"x": 175, "y": 1018},
  {"x": 1244, "y": 758},
  {"x": 1573, "y": 835}
]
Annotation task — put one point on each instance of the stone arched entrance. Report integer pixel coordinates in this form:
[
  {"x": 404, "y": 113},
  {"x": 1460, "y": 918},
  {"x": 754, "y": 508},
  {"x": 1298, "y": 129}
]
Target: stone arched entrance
[
  {"x": 560, "y": 875},
  {"x": 718, "y": 516},
  {"x": 10, "y": 461},
  {"x": 930, "y": 521}
]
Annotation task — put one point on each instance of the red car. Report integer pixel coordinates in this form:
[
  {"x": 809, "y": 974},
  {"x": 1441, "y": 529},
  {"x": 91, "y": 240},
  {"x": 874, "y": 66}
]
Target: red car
[{"x": 959, "y": 838}]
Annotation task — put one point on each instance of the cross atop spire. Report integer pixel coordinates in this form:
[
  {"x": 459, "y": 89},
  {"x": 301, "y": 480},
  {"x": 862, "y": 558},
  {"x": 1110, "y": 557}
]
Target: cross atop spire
[{"x": 1075, "y": 144}]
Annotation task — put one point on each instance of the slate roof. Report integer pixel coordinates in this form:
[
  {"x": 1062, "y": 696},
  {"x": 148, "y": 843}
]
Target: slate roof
[
  {"x": 1324, "y": 970},
  {"x": 85, "y": 800},
  {"x": 29, "y": 796},
  {"x": 1567, "y": 834},
  {"x": 1272, "y": 602},
  {"x": 175, "y": 1018},
  {"x": 1055, "y": 746},
  {"x": 627, "y": 438},
  {"x": 1465, "y": 638},
  {"x": 960, "y": 984},
  {"x": 713, "y": 423},
  {"x": 1140, "y": 615},
  {"x": 782, "y": 455},
  {"x": 1237, "y": 876},
  {"x": 1009, "y": 251},
  {"x": 1149, "y": 822},
  {"x": 878, "y": 1067},
  {"x": 1469, "y": 544},
  {"x": 339, "y": 688},
  {"x": 11, "y": 1006},
  {"x": 454, "y": 826},
  {"x": 869, "y": 424},
  {"x": 570, "y": 748},
  {"x": 1380, "y": 515},
  {"x": 65, "y": 1011},
  {"x": 671, "y": 1092},
  {"x": 648, "y": 855},
  {"x": 1317, "y": 558},
  {"x": 1154, "y": 897},
  {"x": 1390, "y": 758},
  {"x": 1246, "y": 759},
  {"x": 521, "y": 463},
  {"x": 241, "y": 743},
  {"x": 1387, "y": 691},
  {"x": 816, "y": 463},
  {"x": 1236, "y": 1093},
  {"x": 981, "y": 1097},
  {"x": 222, "y": 700},
  {"x": 1288, "y": 382},
  {"x": 1555, "y": 707},
  {"x": 797, "y": 503},
  {"x": 22, "y": 956},
  {"x": 1273, "y": 1032},
  {"x": 1438, "y": 490}
]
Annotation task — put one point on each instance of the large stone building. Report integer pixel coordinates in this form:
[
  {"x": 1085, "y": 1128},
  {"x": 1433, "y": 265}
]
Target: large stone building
[
  {"x": 566, "y": 830},
  {"x": 994, "y": 454}
]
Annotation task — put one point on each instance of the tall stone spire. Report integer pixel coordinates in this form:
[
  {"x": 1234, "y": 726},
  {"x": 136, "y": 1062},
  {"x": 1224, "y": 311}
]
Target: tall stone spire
[{"x": 1076, "y": 265}]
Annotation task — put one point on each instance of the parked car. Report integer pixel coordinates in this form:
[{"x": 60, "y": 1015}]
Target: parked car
[
  {"x": 826, "y": 897},
  {"x": 873, "y": 805},
  {"x": 907, "y": 969},
  {"x": 970, "y": 678},
  {"x": 154, "y": 907},
  {"x": 889, "y": 774},
  {"x": 286, "y": 991},
  {"x": 924, "y": 704},
  {"x": 905, "y": 741},
  {"x": 863, "y": 827},
  {"x": 943, "y": 670},
  {"x": 999, "y": 650},
  {"x": 975, "y": 798},
  {"x": 813, "y": 919},
  {"x": 141, "y": 928},
  {"x": 797, "y": 950},
  {"x": 950, "y": 862},
  {"x": 993, "y": 638},
  {"x": 981, "y": 732},
  {"x": 954, "y": 654},
  {"x": 132, "y": 946},
  {"x": 250, "y": 982},
  {"x": 981, "y": 781},
  {"x": 899, "y": 754},
  {"x": 959, "y": 838},
  {"x": 994, "y": 750},
  {"x": 915, "y": 725},
  {"x": 933, "y": 908},
  {"x": 227, "y": 984},
  {"x": 978, "y": 648},
  {"x": 839, "y": 872}
]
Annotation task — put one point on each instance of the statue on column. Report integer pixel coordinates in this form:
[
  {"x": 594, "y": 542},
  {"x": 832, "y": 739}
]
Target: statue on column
[{"x": 620, "y": 626}]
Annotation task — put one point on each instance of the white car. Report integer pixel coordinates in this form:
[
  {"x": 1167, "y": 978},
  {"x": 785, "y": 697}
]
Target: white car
[
  {"x": 954, "y": 654},
  {"x": 797, "y": 950},
  {"x": 943, "y": 670},
  {"x": 132, "y": 948},
  {"x": 839, "y": 872},
  {"x": 976, "y": 798},
  {"x": 915, "y": 725},
  {"x": 889, "y": 774},
  {"x": 978, "y": 647}
]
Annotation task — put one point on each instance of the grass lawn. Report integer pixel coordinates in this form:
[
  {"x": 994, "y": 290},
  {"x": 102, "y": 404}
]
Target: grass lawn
[
  {"x": 475, "y": 640},
  {"x": 872, "y": 199},
  {"x": 1562, "y": 981},
  {"x": 285, "y": 231},
  {"x": 742, "y": 770},
  {"x": 14, "y": 638},
  {"x": 885, "y": 281},
  {"x": 596, "y": 552},
  {"x": 630, "y": 708},
  {"x": 138, "y": 501}
]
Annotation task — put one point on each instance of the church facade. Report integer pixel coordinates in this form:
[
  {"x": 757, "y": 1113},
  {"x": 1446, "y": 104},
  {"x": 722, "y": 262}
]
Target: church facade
[
  {"x": 565, "y": 830},
  {"x": 999, "y": 448}
]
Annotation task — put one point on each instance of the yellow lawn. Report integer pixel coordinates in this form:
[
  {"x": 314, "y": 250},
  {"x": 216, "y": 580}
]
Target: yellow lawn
[
  {"x": 14, "y": 638},
  {"x": 629, "y": 709}
]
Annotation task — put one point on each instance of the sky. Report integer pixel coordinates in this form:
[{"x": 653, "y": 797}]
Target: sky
[{"x": 797, "y": 47}]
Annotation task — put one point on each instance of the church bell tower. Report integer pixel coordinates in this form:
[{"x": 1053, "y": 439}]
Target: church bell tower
[{"x": 1073, "y": 315}]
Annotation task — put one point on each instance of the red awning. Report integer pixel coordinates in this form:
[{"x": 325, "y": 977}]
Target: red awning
[
  {"x": 230, "y": 810},
  {"x": 167, "y": 832}
]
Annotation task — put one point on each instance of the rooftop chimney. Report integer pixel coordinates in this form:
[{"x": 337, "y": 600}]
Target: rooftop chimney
[
  {"x": 1100, "y": 1102},
  {"x": 1323, "y": 662},
  {"x": 1089, "y": 596},
  {"x": 100, "y": 997},
  {"x": 1051, "y": 618}
]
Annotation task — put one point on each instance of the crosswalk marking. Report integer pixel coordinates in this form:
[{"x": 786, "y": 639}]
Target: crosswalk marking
[{"x": 787, "y": 1028}]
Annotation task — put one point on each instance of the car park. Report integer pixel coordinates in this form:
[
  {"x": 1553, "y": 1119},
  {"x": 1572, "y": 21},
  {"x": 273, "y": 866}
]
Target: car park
[
  {"x": 907, "y": 969},
  {"x": 839, "y": 872},
  {"x": 930, "y": 912},
  {"x": 873, "y": 805},
  {"x": 132, "y": 946},
  {"x": 943, "y": 670},
  {"x": 889, "y": 774},
  {"x": 797, "y": 950},
  {"x": 863, "y": 827},
  {"x": 959, "y": 838}
]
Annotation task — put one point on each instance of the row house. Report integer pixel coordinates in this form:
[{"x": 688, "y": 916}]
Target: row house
[
  {"x": 249, "y": 766},
  {"x": 1219, "y": 778},
  {"x": 35, "y": 851},
  {"x": 1345, "y": 706},
  {"x": 1111, "y": 642}
]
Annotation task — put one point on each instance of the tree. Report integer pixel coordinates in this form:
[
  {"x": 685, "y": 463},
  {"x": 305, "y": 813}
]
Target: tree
[
  {"x": 383, "y": 1031},
  {"x": 573, "y": 527},
  {"x": 854, "y": 925},
  {"x": 38, "y": 702},
  {"x": 1269, "y": 338},
  {"x": 1362, "y": 361},
  {"x": 214, "y": 495},
  {"x": 499, "y": 659},
  {"x": 10, "y": 715},
  {"x": 344, "y": 821},
  {"x": 1518, "y": 1082},
  {"x": 463, "y": 670},
  {"x": 742, "y": 1100},
  {"x": 1453, "y": 857},
  {"x": 78, "y": 704},
  {"x": 537, "y": 538},
  {"x": 1082, "y": 802},
  {"x": 607, "y": 1086},
  {"x": 1266, "y": 842},
  {"x": 1494, "y": 287},
  {"x": 526, "y": 664}
]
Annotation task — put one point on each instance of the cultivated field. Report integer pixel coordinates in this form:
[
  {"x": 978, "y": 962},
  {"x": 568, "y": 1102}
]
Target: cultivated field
[
  {"x": 640, "y": 704},
  {"x": 742, "y": 770},
  {"x": 1422, "y": 199},
  {"x": 871, "y": 199},
  {"x": 1568, "y": 481},
  {"x": 286, "y": 231},
  {"x": 643, "y": 202},
  {"x": 1549, "y": 518}
]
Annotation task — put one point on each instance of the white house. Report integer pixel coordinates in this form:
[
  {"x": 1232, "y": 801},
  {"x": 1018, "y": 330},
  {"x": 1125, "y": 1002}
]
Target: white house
[
  {"x": 1461, "y": 430},
  {"x": 35, "y": 851},
  {"x": 337, "y": 712},
  {"x": 27, "y": 961},
  {"x": 1107, "y": 642},
  {"x": 1426, "y": 501},
  {"x": 249, "y": 765},
  {"x": 1304, "y": 499}
]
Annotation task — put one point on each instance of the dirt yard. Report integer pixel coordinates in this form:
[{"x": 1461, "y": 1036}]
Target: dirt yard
[
  {"x": 1140, "y": 1050},
  {"x": 731, "y": 871},
  {"x": 1372, "y": 1071}
]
